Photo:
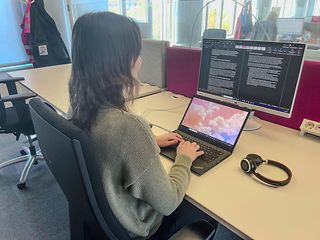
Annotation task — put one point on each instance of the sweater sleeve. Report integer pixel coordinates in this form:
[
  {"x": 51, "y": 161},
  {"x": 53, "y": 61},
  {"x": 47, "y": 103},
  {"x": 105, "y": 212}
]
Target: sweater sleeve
[{"x": 161, "y": 190}]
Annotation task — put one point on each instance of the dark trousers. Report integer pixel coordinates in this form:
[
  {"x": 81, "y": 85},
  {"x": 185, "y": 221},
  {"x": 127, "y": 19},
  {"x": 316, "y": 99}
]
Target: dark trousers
[{"x": 184, "y": 215}]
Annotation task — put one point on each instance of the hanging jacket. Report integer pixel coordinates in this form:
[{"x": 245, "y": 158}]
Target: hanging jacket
[
  {"x": 26, "y": 33},
  {"x": 244, "y": 22},
  {"x": 247, "y": 23},
  {"x": 48, "y": 47}
]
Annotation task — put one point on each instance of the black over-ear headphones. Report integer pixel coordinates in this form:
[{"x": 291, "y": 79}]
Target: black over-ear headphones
[{"x": 250, "y": 163}]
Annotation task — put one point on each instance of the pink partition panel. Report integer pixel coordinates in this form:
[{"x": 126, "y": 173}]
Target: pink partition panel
[
  {"x": 182, "y": 70},
  {"x": 307, "y": 103},
  {"x": 182, "y": 78}
]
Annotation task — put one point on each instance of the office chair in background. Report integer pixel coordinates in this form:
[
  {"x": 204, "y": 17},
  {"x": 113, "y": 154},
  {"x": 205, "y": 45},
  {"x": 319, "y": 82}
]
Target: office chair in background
[
  {"x": 71, "y": 161},
  {"x": 215, "y": 33},
  {"x": 266, "y": 30},
  {"x": 16, "y": 120}
]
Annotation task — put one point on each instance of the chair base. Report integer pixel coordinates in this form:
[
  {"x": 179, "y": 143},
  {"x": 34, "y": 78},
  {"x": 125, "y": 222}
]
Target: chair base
[{"x": 32, "y": 158}]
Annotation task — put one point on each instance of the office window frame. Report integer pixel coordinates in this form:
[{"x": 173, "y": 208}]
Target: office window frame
[{"x": 165, "y": 26}]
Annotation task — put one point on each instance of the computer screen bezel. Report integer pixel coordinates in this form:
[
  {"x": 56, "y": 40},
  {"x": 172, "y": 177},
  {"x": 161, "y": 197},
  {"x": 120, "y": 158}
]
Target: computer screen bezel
[
  {"x": 248, "y": 105},
  {"x": 217, "y": 142}
]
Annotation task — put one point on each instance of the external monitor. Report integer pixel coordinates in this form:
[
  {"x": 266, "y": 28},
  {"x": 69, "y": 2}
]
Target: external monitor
[
  {"x": 290, "y": 26},
  {"x": 261, "y": 76}
]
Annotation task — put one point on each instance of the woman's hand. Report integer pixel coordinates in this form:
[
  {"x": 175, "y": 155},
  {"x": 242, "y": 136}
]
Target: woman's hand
[
  {"x": 190, "y": 149},
  {"x": 168, "y": 139}
]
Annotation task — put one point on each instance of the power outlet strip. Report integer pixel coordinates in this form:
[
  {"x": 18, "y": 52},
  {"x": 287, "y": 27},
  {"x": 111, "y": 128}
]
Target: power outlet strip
[{"x": 309, "y": 126}]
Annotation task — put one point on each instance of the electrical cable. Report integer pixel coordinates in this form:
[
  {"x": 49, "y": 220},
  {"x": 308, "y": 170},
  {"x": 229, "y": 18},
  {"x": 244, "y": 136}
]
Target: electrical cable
[
  {"x": 195, "y": 20},
  {"x": 158, "y": 126},
  {"x": 161, "y": 110}
]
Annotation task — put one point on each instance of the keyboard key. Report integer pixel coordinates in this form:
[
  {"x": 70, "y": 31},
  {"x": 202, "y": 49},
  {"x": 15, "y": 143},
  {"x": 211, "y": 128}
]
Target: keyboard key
[{"x": 210, "y": 153}]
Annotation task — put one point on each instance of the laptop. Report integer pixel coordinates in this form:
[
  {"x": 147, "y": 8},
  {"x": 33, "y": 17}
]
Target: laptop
[{"x": 216, "y": 126}]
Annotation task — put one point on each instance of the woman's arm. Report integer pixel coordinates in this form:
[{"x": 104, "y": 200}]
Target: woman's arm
[{"x": 148, "y": 179}]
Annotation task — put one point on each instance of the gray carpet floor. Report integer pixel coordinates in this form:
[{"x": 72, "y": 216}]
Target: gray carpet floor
[{"x": 41, "y": 210}]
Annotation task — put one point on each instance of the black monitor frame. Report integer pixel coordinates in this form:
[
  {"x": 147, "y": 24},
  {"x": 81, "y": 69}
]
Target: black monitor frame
[{"x": 260, "y": 106}]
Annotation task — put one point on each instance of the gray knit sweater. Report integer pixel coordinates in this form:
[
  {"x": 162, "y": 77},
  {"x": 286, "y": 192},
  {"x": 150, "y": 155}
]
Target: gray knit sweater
[{"x": 138, "y": 189}]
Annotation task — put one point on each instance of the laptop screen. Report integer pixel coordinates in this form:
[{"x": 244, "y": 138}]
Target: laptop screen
[{"x": 214, "y": 120}]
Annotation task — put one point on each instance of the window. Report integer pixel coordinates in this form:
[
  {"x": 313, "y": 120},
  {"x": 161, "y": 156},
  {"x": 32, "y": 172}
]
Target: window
[
  {"x": 295, "y": 10},
  {"x": 80, "y": 7},
  {"x": 11, "y": 47},
  {"x": 317, "y": 9},
  {"x": 114, "y": 6},
  {"x": 182, "y": 22},
  {"x": 228, "y": 17},
  {"x": 213, "y": 15},
  {"x": 137, "y": 9}
]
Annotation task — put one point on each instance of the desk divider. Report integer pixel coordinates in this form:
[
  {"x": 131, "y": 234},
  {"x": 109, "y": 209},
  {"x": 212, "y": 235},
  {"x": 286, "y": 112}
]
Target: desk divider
[
  {"x": 182, "y": 70},
  {"x": 182, "y": 77}
]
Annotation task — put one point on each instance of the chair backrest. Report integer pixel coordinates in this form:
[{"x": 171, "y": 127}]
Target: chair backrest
[
  {"x": 215, "y": 33},
  {"x": 152, "y": 71},
  {"x": 2, "y": 105},
  {"x": 264, "y": 30},
  {"x": 2, "y": 113},
  {"x": 24, "y": 124},
  {"x": 67, "y": 151}
]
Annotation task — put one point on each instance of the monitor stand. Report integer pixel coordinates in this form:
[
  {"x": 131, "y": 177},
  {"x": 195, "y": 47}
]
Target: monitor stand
[{"x": 253, "y": 123}]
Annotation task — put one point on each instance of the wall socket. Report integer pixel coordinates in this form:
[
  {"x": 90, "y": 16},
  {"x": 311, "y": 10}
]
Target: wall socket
[{"x": 309, "y": 126}]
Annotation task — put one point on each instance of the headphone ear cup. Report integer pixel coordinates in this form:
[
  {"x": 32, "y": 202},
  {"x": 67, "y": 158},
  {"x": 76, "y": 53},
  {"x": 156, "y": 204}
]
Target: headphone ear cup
[{"x": 246, "y": 165}]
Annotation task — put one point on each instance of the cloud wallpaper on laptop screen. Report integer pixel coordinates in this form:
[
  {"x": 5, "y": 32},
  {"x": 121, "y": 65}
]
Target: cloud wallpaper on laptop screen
[{"x": 215, "y": 120}]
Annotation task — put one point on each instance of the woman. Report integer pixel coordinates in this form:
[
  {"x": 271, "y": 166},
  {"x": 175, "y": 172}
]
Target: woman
[
  {"x": 106, "y": 61},
  {"x": 266, "y": 30}
]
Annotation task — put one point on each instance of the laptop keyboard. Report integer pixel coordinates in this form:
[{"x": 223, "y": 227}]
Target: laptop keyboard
[{"x": 210, "y": 153}]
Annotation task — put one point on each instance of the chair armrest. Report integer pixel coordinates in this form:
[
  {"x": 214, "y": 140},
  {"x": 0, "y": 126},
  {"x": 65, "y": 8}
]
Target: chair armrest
[
  {"x": 199, "y": 230},
  {"x": 11, "y": 79},
  {"x": 15, "y": 97}
]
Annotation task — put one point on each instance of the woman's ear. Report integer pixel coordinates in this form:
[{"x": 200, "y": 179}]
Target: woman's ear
[{"x": 136, "y": 67}]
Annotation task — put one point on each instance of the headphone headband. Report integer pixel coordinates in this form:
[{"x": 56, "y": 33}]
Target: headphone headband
[{"x": 250, "y": 163}]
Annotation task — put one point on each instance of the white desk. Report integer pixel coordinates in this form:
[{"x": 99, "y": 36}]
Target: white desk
[
  {"x": 51, "y": 84},
  {"x": 241, "y": 203},
  {"x": 246, "y": 206}
]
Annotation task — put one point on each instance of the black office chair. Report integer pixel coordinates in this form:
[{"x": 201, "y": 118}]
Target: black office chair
[
  {"x": 16, "y": 120},
  {"x": 214, "y": 33},
  {"x": 68, "y": 154}
]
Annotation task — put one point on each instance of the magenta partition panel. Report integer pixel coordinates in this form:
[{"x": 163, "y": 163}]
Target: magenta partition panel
[
  {"x": 182, "y": 77},
  {"x": 182, "y": 70},
  {"x": 307, "y": 99}
]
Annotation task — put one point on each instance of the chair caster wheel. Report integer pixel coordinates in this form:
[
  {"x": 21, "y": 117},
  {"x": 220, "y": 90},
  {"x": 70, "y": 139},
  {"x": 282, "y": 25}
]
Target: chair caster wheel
[
  {"x": 21, "y": 185},
  {"x": 23, "y": 152},
  {"x": 35, "y": 162}
]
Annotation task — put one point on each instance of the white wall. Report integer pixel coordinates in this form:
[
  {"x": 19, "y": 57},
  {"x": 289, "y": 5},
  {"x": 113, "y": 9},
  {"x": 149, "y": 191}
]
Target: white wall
[{"x": 57, "y": 9}]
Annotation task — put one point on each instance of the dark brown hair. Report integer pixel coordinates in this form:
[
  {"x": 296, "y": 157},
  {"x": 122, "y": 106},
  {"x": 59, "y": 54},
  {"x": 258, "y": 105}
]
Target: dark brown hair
[{"x": 104, "y": 47}]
